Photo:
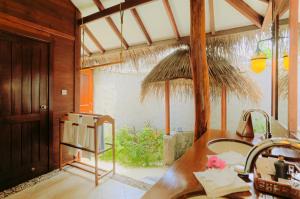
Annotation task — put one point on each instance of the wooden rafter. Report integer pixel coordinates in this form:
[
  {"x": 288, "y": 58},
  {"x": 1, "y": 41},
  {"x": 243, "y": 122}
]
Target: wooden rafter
[
  {"x": 93, "y": 38},
  {"x": 139, "y": 21},
  {"x": 268, "y": 17},
  {"x": 247, "y": 11},
  {"x": 111, "y": 10},
  {"x": 86, "y": 50},
  {"x": 112, "y": 24},
  {"x": 211, "y": 17},
  {"x": 171, "y": 18},
  {"x": 281, "y": 7}
]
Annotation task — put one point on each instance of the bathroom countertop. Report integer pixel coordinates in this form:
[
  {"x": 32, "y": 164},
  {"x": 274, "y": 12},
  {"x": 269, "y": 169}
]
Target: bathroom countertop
[{"x": 179, "y": 180}]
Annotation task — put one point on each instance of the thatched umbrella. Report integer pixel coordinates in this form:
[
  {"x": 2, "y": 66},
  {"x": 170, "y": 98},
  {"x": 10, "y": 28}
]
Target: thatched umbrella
[{"x": 174, "y": 71}]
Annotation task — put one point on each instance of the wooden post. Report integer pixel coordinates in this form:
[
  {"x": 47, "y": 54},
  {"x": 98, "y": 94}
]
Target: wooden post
[
  {"x": 167, "y": 106},
  {"x": 224, "y": 109},
  {"x": 293, "y": 68},
  {"x": 199, "y": 67},
  {"x": 275, "y": 36},
  {"x": 96, "y": 148}
]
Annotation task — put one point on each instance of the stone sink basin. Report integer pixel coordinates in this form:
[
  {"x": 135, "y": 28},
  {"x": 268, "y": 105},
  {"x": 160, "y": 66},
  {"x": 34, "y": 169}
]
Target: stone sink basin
[{"x": 224, "y": 145}]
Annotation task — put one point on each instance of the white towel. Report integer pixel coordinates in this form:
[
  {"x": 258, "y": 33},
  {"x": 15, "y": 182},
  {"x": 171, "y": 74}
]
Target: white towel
[
  {"x": 218, "y": 182},
  {"x": 75, "y": 118},
  {"x": 87, "y": 134},
  {"x": 68, "y": 133}
]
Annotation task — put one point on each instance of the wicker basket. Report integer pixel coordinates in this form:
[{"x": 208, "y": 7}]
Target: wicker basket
[{"x": 275, "y": 188}]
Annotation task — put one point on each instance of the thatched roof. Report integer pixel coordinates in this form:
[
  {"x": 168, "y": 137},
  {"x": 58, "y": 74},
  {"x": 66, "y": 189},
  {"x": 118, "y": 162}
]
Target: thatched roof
[{"x": 176, "y": 67}]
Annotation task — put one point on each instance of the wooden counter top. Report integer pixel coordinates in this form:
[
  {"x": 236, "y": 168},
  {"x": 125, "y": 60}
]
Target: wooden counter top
[{"x": 179, "y": 180}]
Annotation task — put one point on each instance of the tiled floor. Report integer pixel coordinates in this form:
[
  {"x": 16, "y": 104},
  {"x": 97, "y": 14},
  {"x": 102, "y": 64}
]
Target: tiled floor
[{"x": 74, "y": 184}]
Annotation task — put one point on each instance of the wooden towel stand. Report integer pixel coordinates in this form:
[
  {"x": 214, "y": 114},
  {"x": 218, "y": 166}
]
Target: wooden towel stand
[{"x": 99, "y": 120}]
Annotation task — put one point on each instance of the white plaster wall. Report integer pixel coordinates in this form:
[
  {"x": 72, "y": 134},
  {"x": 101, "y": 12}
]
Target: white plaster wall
[{"x": 118, "y": 94}]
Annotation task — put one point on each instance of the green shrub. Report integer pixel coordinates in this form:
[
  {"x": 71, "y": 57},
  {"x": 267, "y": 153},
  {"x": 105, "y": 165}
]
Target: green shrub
[{"x": 143, "y": 148}]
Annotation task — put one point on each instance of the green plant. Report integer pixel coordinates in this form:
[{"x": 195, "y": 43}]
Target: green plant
[{"x": 143, "y": 148}]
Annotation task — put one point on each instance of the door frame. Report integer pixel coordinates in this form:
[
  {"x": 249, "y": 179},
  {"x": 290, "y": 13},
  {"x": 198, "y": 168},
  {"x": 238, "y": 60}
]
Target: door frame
[{"x": 50, "y": 41}]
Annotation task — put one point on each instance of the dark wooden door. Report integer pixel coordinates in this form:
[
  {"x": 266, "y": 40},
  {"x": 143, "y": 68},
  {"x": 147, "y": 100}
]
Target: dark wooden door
[{"x": 24, "y": 128}]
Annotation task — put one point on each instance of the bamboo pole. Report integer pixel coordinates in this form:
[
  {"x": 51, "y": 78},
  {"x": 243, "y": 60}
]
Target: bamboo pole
[
  {"x": 293, "y": 68},
  {"x": 224, "y": 109},
  {"x": 199, "y": 67},
  {"x": 167, "y": 106}
]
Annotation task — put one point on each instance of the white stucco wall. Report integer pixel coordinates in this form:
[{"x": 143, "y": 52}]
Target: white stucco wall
[{"x": 118, "y": 94}]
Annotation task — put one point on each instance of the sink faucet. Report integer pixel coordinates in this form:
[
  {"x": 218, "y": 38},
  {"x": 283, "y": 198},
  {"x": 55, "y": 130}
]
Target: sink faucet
[
  {"x": 268, "y": 133},
  {"x": 267, "y": 144}
]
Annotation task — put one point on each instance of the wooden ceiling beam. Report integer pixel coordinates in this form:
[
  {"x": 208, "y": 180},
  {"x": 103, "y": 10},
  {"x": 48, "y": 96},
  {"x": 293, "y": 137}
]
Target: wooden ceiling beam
[
  {"x": 186, "y": 39},
  {"x": 268, "y": 17},
  {"x": 94, "y": 40},
  {"x": 171, "y": 18},
  {"x": 211, "y": 17},
  {"x": 112, "y": 10},
  {"x": 247, "y": 11},
  {"x": 112, "y": 24},
  {"x": 142, "y": 27}
]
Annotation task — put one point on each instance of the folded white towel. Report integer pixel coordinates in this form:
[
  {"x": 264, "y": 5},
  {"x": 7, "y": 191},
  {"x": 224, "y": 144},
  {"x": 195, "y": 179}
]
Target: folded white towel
[{"x": 217, "y": 183}]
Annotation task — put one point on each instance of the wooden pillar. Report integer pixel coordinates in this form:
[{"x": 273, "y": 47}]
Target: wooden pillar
[
  {"x": 275, "y": 47},
  {"x": 167, "y": 106},
  {"x": 199, "y": 67},
  {"x": 293, "y": 68},
  {"x": 224, "y": 109},
  {"x": 77, "y": 62}
]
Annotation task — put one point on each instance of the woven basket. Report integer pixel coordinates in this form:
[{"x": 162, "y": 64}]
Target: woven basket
[{"x": 275, "y": 188}]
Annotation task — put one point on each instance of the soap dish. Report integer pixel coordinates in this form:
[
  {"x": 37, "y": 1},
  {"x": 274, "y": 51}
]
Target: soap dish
[{"x": 276, "y": 188}]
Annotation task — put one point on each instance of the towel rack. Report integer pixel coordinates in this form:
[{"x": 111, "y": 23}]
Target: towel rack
[{"x": 99, "y": 120}]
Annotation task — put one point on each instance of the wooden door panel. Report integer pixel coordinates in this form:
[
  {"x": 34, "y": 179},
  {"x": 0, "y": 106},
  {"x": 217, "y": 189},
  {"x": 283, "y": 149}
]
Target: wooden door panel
[
  {"x": 16, "y": 79},
  {"x": 26, "y": 78},
  {"x": 86, "y": 91},
  {"x": 24, "y": 136},
  {"x": 5, "y": 72}
]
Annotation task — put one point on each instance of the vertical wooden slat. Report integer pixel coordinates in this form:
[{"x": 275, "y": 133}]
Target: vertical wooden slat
[
  {"x": 293, "y": 69},
  {"x": 167, "y": 106},
  {"x": 44, "y": 100},
  {"x": 26, "y": 145},
  {"x": 35, "y": 77},
  {"x": 5, "y": 74},
  {"x": 26, "y": 78},
  {"x": 199, "y": 67},
  {"x": 224, "y": 109},
  {"x": 5, "y": 105},
  {"x": 16, "y": 103}
]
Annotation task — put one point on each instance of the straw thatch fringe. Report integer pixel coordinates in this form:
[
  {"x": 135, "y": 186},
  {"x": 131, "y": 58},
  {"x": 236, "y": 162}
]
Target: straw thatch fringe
[
  {"x": 134, "y": 59},
  {"x": 235, "y": 48},
  {"x": 177, "y": 66}
]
